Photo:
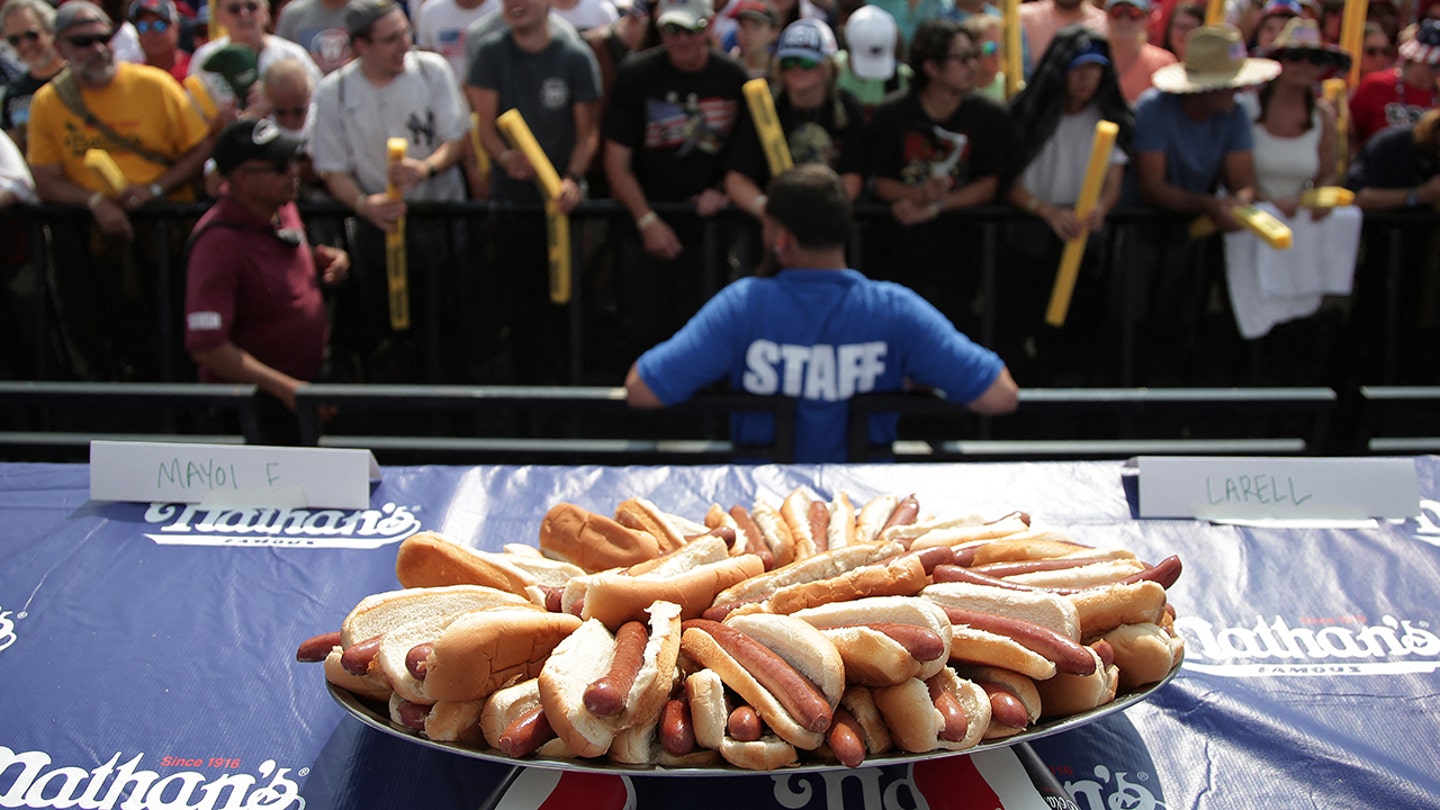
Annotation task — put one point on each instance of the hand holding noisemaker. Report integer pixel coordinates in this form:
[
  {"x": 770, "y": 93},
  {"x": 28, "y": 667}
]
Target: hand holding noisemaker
[
  {"x": 557, "y": 226},
  {"x": 396, "y": 273},
  {"x": 1100, "y": 149}
]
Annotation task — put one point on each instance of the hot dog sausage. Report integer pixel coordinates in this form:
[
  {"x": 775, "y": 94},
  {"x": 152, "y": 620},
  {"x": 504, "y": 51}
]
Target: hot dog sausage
[
  {"x": 416, "y": 660},
  {"x": 677, "y": 732},
  {"x": 903, "y": 514},
  {"x": 956, "y": 723},
  {"x": 317, "y": 648},
  {"x": 1103, "y": 649},
  {"x": 1005, "y": 708},
  {"x": 358, "y": 657},
  {"x": 755, "y": 538},
  {"x": 1010, "y": 569},
  {"x": 1069, "y": 657},
  {"x": 845, "y": 739},
  {"x": 794, "y": 691},
  {"x": 411, "y": 715},
  {"x": 744, "y": 724},
  {"x": 933, "y": 556},
  {"x": 1164, "y": 572},
  {"x": 606, "y": 696},
  {"x": 819, "y": 515},
  {"x": 526, "y": 733},
  {"x": 920, "y": 643}
]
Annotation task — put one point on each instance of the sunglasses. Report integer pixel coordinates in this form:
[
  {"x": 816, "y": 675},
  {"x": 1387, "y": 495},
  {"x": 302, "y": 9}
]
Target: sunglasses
[
  {"x": 1372, "y": 50},
  {"x": 157, "y": 26},
  {"x": 798, "y": 63},
  {"x": 83, "y": 41},
  {"x": 1125, "y": 11},
  {"x": 1314, "y": 57},
  {"x": 23, "y": 36},
  {"x": 236, "y": 8},
  {"x": 676, "y": 29},
  {"x": 964, "y": 56}
]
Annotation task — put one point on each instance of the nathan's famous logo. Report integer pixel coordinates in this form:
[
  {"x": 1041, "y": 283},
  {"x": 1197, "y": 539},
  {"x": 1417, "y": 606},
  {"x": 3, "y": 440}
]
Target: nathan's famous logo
[
  {"x": 192, "y": 525},
  {"x": 1428, "y": 521},
  {"x": 7, "y": 628},
  {"x": 32, "y": 779},
  {"x": 1345, "y": 645}
]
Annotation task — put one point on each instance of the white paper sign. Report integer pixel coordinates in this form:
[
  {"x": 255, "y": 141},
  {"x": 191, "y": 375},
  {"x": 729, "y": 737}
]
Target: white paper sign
[
  {"x": 231, "y": 475},
  {"x": 1218, "y": 488}
]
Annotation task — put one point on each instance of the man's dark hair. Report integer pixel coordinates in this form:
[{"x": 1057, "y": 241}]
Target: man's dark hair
[
  {"x": 810, "y": 202},
  {"x": 931, "y": 43}
]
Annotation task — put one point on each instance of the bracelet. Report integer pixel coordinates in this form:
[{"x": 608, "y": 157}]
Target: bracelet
[
  {"x": 359, "y": 203},
  {"x": 645, "y": 220},
  {"x": 429, "y": 169},
  {"x": 758, "y": 205},
  {"x": 95, "y": 199}
]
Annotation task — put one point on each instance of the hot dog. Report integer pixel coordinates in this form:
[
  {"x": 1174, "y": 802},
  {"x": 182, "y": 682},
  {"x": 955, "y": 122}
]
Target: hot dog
[
  {"x": 823, "y": 566},
  {"x": 817, "y": 525},
  {"x": 482, "y": 651},
  {"x": 593, "y": 541},
  {"x": 952, "y": 532},
  {"x": 748, "y": 537},
  {"x": 427, "y": 559},
  {"x": 642, "y": 515},
  {"x": 897, "y": 576},
  {"x": 514, "y": 722},
  {"x": 942, "y": 712},
  {"x": 592, "y": 688},
  {"x": 882, "y": 513},
  {"x": 879, "y": 637},
  {"x": 1144, "y": 653},
  {"x": 1067, "y": 694},
  {"x": 689, "y": 577},
  {"x": 1014, "y": 701},
  {"x": 711, "y": 712}
]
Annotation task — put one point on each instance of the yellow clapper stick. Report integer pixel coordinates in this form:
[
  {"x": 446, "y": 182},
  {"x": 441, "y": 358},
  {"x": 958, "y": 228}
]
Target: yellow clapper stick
[
  {"x": 395, "y": 265},
  {"x": 557, "y": 226},
  {"x": 1259, "y": 221},
  {"x": 767, "y": 125},
  {"x": 1215, "y": 12},
  {"x": 1335, "y": 93},
  {"x": 482, "y": 158},
  {"x": 1064, "y": 289},
  {"x": 100, "y": 164},
  {"x": 1327, "y": 197},
  {"x": 1352, "y": 34},
  {"x": 1013, "y": 57}
]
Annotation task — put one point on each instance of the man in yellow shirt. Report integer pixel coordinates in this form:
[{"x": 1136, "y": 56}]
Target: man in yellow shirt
[{"x": 145, "y": 121}]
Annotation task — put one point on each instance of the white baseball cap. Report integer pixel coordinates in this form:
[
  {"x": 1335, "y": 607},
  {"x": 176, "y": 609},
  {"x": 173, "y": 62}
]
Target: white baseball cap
[{"x": 870, "y": 43}]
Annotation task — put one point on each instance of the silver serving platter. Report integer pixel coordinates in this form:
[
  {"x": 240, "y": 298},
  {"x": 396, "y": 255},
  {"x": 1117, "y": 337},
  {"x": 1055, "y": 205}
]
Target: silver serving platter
[{"x": 376, "y": 716}]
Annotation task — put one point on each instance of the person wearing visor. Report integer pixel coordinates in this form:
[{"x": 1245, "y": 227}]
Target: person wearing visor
[
  {"x": 1072, "y": 89},
  {"x": 822, "y": 123},
  {"x": 671, "y": 116},
  {"x": 253, "y": 307}
]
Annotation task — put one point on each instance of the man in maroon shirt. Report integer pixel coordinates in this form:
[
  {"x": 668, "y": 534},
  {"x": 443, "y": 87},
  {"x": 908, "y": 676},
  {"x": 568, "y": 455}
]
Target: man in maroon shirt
[{"x": 253, "y": 309}]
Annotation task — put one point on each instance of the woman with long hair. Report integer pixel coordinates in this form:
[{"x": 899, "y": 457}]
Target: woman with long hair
[
  {"x": 1295, "y": 129},
  {"x": 1072, "y": 89}
]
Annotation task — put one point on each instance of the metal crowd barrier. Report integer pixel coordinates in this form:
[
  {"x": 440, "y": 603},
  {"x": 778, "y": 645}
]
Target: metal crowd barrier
[{"x": 1400, "y": 420}]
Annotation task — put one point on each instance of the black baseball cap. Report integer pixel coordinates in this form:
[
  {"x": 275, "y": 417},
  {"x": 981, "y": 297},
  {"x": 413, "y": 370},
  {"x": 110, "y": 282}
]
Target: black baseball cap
[{"x": 251, "y": 140}]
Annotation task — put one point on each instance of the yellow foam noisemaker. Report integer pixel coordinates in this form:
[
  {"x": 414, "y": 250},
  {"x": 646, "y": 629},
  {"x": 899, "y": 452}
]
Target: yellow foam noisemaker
[
  {"x": 99, "y": 162},
  {"x": 1327, "y": 197},
  {"x": 1215, "y": 12},
  {"x": 200, "y": 95},
  {"x": 1259, "y": 221},
  {"x": 1352, "y": 35},
  {"x": 557, "y": 226},
  {"x": 1013, "y": 67},
  {"x": 1336, "y": 91},
  {"x": 767, "y": 125},
  {"x": 396, "y": 271},
  {"x": 1100, "y": 149},
  {"x": 482, "y": 158}
]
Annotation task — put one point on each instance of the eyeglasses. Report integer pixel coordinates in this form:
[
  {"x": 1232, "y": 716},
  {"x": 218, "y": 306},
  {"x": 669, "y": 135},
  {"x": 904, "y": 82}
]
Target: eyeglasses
[
  {"x": 676, "y": 29},
  {"x": 83, "y": 41},
  {"x": 23, "y": 36},
  {"x": 235, "y": 8},
  {"x": 989, "y": 47},
  {"x": 965, "y": 55},
  {"x": 1125, "y": 11},
  {"x": 1314, "y": 57},
  {"x": 798, "y": 63},
  {"x": 158, "y": 26}
]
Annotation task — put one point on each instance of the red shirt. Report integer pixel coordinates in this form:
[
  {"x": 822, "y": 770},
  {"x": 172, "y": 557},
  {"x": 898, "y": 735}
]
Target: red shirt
[
  {"x": 1383, "y": 100},
  {"x": 246, "y": 285},
  {"x": 181, "y": 68}
]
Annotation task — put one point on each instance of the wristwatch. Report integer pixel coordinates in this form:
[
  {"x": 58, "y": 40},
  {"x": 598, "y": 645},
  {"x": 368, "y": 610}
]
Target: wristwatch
[{"x": 157, "y": 191}]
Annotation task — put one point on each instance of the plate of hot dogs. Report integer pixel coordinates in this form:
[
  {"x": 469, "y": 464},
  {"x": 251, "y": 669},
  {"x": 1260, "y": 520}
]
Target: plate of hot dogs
[{"x": 811, "y": 636}]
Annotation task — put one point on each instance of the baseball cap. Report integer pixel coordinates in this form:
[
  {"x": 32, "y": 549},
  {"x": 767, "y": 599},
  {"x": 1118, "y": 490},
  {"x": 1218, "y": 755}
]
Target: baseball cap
[
  {"x": 870, "y": 43},
  {"x": 687, "y": 13},
  {"x": 79, "y": 12},
  {"x": 164, "y": 9},
  {"x": 1283, "y": 8},
  {"x": 1424, "y": 47},
  {"x": 808, "y": 39},
  {"x": 1095, "y": 53},
  {"x": 762, "y": 10},
  {"x": 237, "y": 65},
  {"x": 361, "y": 14},
  {"x": 1143, "y": 5},
  {"x": 248, "y": 139}
]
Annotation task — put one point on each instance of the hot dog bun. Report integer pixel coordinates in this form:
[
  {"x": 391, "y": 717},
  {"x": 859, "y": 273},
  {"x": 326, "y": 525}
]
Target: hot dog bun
[
  {"x": 427, "y": 559},
  {"x": 484, "y": 650},
  {"x": 615, "y": 597},
  {"x": 1038, "y": 607},
  {"x": 817, "y": 567},
  {"x": 506, "y": 705},
  {"x": 1070, "y": 694},
  {"x": 873, "y": 658},
  {"x": 642, "y": 515},
  {"x": 1018, "y": 686},
  {"x": 917, "y": 726},
  {"x": 593, "y": 541},
  {"x": 899, "y": 576},
  {"x": 1144, "y": 653},
  {"x": 710, "y": 711},
  {"x": 377, "y": 613},
  {"x": 1105, "y": 608}
]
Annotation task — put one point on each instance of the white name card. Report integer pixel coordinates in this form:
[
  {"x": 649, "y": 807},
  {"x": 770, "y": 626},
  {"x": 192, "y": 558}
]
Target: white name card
[
  {"x": 231, "y": 475},
  {"x": 1278, "y": 488}
]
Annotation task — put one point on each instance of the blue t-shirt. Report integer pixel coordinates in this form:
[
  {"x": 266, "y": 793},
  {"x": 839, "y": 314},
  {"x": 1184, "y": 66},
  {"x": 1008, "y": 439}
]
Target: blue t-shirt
[
  {"x": 821, "y": 336},
  {"x": 1194, "y": 150}
]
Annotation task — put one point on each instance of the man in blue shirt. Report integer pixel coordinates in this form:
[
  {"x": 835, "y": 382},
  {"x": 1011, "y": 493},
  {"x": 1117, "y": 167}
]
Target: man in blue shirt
[{"x": 819, "y": 332}]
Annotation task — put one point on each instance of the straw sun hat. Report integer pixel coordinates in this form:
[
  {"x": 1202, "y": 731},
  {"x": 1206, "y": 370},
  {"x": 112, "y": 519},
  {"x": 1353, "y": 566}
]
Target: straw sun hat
[{"x": 1214, "y": 59}]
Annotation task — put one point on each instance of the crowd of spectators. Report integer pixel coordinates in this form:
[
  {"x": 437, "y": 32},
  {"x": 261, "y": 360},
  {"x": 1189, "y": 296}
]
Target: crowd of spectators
[{"x": 641, "y": 101}]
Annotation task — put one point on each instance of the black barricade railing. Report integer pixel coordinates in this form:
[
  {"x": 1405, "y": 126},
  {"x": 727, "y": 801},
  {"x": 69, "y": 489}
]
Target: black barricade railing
[
  {"x": 1060, "y": 423},
  {"x": 41, "y": 419},
  {"x": 1399, "y": 419},
  {"x": 511, "y": 424},
  {"x": 1392, "y": 276}
]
